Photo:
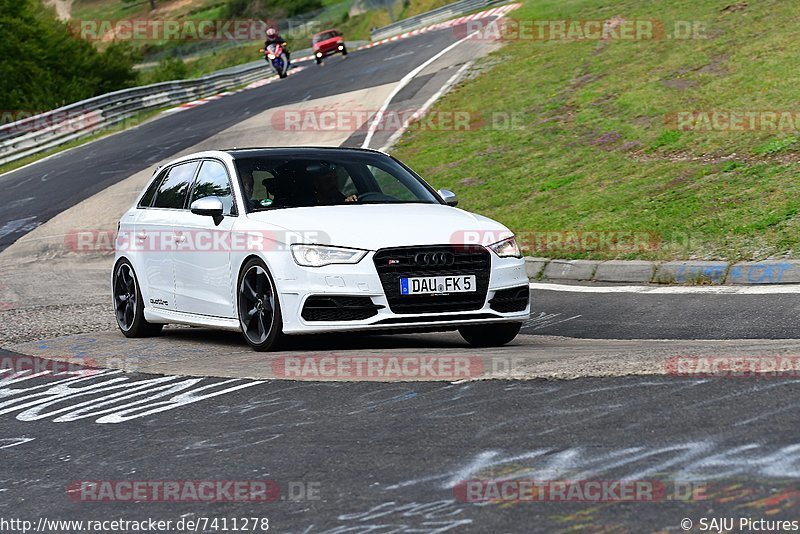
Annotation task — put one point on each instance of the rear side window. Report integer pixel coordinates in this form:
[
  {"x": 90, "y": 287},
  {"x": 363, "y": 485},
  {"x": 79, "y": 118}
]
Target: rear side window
[
  {"x": 147, "y": 198},
  {"x": 212, "y": 181},
  {"x": 173, "y": 191}
]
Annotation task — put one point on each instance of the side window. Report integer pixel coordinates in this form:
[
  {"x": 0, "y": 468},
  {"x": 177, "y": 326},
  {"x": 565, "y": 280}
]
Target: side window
[
  {"x": 147, "y": 198},
  {"x": 173, "y": 191},
  {"x": 212, "y": 181},
  {"x": 391, "y": 186}
]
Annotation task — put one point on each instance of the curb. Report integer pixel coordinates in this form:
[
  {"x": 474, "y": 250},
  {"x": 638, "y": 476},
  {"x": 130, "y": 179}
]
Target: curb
[{"x": 669, "y": 272}]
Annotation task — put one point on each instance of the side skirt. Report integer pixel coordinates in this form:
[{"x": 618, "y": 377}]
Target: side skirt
[{"x": 169, "y": 316}]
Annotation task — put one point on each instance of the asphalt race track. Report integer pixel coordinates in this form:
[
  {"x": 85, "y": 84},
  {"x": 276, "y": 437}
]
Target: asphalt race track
[
  {"x": 369, "y": 457},
  {"x": 590, "y": 398},
  {"x": 677, "y": 316}
]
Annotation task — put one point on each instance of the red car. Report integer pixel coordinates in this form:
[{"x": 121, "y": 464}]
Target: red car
[{"x": 327, "y": 43}]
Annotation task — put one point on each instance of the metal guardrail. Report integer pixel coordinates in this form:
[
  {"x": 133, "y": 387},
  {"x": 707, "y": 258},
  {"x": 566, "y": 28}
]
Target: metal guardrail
[
  {"x": 43, "y": 132},
  {"x": 430, "y": 17}
]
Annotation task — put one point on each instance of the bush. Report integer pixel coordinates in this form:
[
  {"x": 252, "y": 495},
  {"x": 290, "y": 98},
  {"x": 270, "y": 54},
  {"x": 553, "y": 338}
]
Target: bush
[
  {"x": 45, "y": 66},
  {"x": 168, "y": 69}
]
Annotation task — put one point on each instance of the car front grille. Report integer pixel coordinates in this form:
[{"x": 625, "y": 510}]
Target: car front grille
[{"x": 396, "y": 263}]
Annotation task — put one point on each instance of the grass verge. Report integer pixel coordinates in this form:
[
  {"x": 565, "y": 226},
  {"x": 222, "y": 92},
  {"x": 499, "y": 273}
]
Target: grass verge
[{"x": 591, "y": 146}]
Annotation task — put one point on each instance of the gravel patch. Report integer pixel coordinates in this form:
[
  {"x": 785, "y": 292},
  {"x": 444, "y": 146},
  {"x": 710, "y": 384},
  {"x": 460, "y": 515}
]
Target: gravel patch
[{"x": 44, "y": 322}]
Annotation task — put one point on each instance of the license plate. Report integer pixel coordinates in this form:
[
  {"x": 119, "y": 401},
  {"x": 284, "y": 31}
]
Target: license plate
[{"x": 429, "y": 285}]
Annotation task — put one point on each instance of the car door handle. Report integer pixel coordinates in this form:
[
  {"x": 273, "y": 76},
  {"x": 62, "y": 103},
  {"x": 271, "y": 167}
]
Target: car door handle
[
  {"x": 141, "y": 236},
  {"x": 180, "y": 238}
]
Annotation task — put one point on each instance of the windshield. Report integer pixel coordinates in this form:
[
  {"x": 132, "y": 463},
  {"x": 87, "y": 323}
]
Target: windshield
[
  {"x": 295, "y": 182},
  {"x": 324, "y": 36}
]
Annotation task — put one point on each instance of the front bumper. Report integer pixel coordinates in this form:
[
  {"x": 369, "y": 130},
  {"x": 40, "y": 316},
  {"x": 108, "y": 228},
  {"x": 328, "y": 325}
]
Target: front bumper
[
  {"x": 327, "y": 51},
  {"x": 362, "y": 280}
]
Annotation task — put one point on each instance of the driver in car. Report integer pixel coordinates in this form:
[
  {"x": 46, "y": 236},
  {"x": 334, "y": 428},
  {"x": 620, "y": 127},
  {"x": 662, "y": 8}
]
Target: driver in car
[
  {"x": 248, "y": 183},
  {"x": 327, "y": 187}
]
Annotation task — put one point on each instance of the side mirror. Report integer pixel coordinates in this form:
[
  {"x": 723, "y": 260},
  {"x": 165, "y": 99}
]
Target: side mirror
[
  {"x": 208, "y": 206},
  {"x": 449, "y": 197}
]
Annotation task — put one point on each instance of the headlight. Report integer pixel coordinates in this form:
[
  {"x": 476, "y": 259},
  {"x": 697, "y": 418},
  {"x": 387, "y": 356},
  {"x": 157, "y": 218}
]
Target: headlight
[
  {"x": 507, "y": 248},
  {"x": 319, "y": 255},
  {"x": 271, "y": 56}
]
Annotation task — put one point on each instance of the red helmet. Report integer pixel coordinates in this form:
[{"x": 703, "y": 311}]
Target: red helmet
[{"x": 271, "y": 33}]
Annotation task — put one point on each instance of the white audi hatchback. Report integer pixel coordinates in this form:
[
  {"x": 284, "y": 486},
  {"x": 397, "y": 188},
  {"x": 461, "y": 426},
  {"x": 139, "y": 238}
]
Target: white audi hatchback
[{"x": 282, "y": 241}]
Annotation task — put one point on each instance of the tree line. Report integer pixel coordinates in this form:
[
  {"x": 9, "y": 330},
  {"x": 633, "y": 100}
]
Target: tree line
[{"x": 45, "y": 66}]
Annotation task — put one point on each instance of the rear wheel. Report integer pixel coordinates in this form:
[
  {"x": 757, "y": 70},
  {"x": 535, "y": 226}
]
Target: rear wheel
[
  {"x": 259, "y": 308},
  {"x": 490, "y": 335},
  {"x": 128, "y": 304}
]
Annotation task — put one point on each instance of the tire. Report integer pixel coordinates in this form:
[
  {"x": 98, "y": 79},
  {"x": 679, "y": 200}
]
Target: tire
[
  {"x": 490, "y": 335},
  {"x": 319, "y": 60},
  {"x": 344, "y": 50},
  {"x": 129, "y": 305},
  {"x": 258, "y": 306}
]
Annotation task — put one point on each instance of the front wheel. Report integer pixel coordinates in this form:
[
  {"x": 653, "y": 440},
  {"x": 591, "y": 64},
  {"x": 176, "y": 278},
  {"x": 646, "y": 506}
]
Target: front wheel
[
  {"x": 490, "y": 335},
  {"x": 259, "y": 308},
  {"x": 344, "y": 50},
  {"x": 128, "y": 304}
]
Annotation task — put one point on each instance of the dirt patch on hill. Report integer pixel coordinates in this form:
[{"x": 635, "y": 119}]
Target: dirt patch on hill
[{"x": 63, "y": 8}]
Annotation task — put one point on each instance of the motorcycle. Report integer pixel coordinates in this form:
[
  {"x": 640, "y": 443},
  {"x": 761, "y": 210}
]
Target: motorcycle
[{"x": 276, "y": 56}]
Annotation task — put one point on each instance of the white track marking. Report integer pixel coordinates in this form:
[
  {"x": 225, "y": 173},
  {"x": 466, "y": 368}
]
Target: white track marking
[
  {"x": 7, "y": 443},
  {"x": 404, "y": 82},
  {"x": 426, "y": 106},
  {"x": 774, "y": 289}
]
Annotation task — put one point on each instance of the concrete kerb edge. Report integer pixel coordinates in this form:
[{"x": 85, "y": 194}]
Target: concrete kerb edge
[{"x": 688, "y": 272}]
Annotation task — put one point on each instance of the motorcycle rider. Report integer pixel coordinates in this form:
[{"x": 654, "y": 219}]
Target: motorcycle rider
[{"x": 273, "y": 37}]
